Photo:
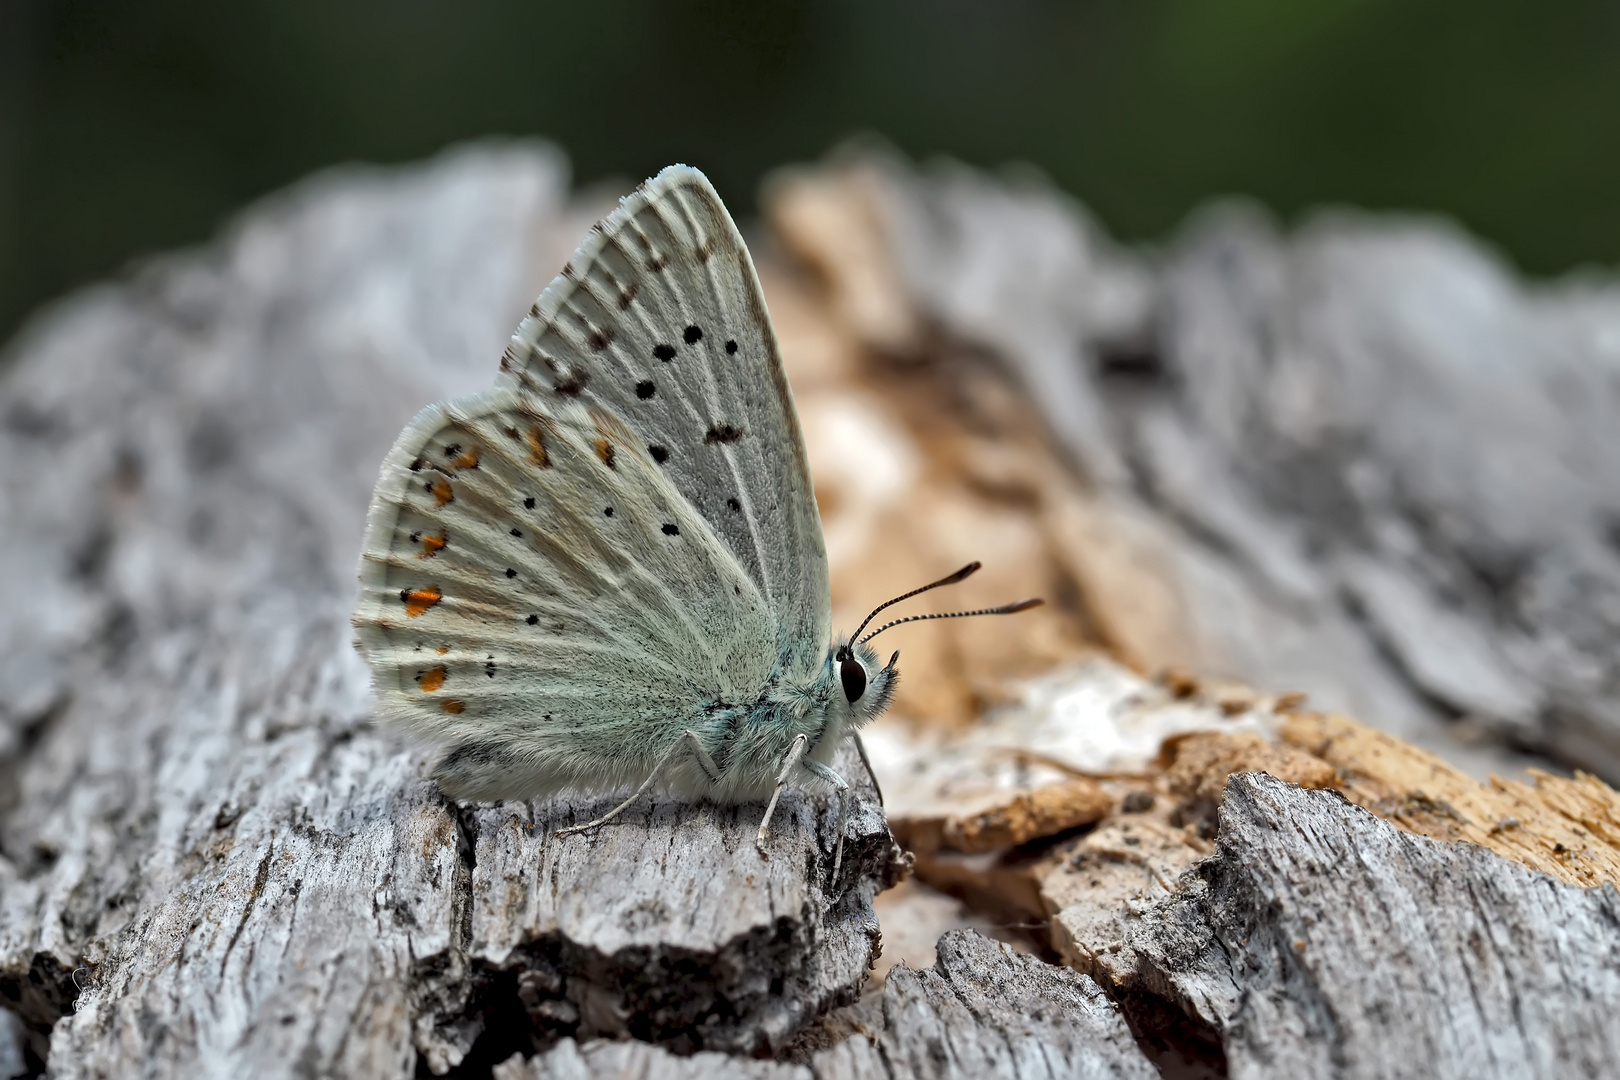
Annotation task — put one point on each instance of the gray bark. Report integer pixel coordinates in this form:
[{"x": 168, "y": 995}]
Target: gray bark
[
  {"x": 198, "y": 815},
  {"x": 1320, "y": 941},
  {"x": 983, "y": 1010}
]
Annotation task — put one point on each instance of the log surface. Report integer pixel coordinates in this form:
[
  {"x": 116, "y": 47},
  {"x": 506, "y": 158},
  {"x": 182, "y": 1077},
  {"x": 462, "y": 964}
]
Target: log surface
[
  {"x": 1321, "y": 941},
  {"x": 212, "y": 864},
  {"x": 983, "y": 1010}
]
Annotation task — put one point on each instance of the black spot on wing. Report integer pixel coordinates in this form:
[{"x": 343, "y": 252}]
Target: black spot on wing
[
  {"x": 666, "y": 353},
  {"x": 659, "y": 454},
  {"x": 572, "y": 382},
  {"x": 528, "y": 504},
  {"x": 692, "y": 335},
  {"x": 671, "y": 530},
  {"x": 599, "y": 338},
  {"x": 645, "y": 389},
  {"x": 532, "y": 620},
  {"x": 608, "y": 510},
  {"x": 731, "y": 348},
  {"x": 511, "y": 573},
  {"x": 734, "y": 506},
  {"x": 722, "y": 433},
  {"x": 517, "y": 532}
]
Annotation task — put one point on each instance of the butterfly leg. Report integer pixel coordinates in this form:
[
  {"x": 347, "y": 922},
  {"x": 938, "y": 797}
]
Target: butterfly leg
[
  {"x": 705, "y": 762},
  {"x": 795, "y": 752},
  {"x": 820, "y": 771},
  {"x": 689, "y": 742},
  {"x": 861, "y": 747}
]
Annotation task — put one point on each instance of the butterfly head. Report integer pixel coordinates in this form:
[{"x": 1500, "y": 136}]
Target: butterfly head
[
  {"x": 864, "y": 683},
  {"x": 867, "y": 687}
]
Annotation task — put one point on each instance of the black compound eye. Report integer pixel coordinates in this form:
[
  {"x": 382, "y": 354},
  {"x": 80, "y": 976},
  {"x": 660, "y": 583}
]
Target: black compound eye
[{"x": 853, "y": 676}]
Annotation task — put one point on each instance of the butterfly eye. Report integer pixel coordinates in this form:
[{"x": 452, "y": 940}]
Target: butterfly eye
[{"x": 853, "y": 676}]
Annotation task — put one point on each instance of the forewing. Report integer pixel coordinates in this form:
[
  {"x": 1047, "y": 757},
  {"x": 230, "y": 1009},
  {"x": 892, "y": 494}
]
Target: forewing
[
  {"x": 536, "y": 591},
  {"x": 659, "y": 318}
]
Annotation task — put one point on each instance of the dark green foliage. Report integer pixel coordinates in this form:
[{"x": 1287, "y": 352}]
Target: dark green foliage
[{"x": 135, "y": 125}]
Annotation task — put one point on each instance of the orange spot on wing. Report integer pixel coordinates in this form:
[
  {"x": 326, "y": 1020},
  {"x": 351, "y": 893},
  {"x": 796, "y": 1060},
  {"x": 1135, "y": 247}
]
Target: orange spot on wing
[
  {"x": 451, "y": 706},
  {"x": 467, "y": 459},
  {"x": 441, "y": 491},
  {"x": 442, "y": 649},
  {"x": 419, "y": 600},
  {"x": 604, "y": 450},
  {"x": 431, "y": 679},
  {"x": 431, "y": 545},
  {"x": 537, "y": 447}
]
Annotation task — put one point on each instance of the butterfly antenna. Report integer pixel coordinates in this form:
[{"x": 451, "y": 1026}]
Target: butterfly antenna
[
  {"x": 967, "y": 571},
  {"x": 1005, "y": 609}
]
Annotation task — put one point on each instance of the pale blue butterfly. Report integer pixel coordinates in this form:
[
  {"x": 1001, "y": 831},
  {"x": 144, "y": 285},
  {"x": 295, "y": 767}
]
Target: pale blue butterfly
[{"x": 608, "y": 570}]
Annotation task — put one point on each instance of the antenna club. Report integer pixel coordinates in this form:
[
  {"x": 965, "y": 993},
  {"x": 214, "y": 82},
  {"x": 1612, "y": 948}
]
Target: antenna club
[{"x": 967, "y": 570}]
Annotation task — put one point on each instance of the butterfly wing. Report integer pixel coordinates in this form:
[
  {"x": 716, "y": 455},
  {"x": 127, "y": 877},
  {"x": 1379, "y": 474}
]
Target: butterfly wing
[
  {"x": 536, "y": 592},
  {"x": 659, "y": 318}
]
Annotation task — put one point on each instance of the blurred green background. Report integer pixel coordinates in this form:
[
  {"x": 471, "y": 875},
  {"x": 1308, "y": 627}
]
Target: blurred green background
[{"x": 129, "y": 126}]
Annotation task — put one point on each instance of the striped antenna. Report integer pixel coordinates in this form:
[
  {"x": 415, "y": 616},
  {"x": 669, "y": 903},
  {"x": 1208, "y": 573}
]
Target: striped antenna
[
  {"x": 966, "y": 572},
  {"x": 1005, "y": 609}
]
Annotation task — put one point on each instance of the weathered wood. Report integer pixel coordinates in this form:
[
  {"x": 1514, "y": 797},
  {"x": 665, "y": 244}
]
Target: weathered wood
[
  {"x": 1566, "y": 827},
  {"x": 195, "y": 810},
  {"x": 201, "y": 829},
  {"x": 1388, "y": 918},
  {"x": 987, "y": 1010},
  {"x": 569, "y": 1061},
  {"x": 1361, "y": 459},
  {"x": 1320, "y": 941},
  {"x": 983, "y": 1010}
]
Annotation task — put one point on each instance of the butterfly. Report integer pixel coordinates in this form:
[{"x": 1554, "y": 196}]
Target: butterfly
[{"x": 607, "y": 571}]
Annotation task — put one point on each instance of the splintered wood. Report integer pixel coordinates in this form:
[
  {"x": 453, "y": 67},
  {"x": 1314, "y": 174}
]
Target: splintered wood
[
  {"x": 994, "y": 814},
  {"x": 1566, "y": 827}
]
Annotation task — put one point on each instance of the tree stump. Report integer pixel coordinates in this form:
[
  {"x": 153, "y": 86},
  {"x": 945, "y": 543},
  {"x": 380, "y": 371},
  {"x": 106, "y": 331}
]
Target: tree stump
[{"x": 213, "y": 864}]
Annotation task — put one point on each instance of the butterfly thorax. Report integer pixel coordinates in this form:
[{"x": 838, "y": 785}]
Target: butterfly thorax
[{"x": 748, "y": 742}]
